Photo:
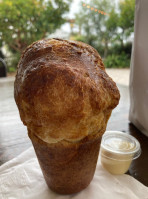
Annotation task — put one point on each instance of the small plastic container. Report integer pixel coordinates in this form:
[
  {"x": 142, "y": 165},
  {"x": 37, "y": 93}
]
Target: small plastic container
[{"x": 118, "y": 149}]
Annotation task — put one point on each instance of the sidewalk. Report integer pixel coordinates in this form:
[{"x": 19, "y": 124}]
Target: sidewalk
[{"x": 120, "y": 76}]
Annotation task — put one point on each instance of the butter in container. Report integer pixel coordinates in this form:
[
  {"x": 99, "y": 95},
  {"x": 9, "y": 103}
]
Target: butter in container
[{"x": 117, "y": 151}]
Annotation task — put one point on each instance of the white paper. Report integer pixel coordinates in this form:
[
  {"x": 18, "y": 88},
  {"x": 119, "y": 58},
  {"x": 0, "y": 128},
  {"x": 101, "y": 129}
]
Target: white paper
[
  {"x": 21, "y": 178},
  {"x": 139, "y": 69}
]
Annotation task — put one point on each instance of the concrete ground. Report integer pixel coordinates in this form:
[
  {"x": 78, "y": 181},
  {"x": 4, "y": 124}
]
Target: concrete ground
[{"x": 120, "y": 76}]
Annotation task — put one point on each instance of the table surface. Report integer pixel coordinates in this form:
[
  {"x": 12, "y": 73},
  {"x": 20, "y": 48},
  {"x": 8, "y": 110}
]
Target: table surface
[{"x": 14, "y": 139}]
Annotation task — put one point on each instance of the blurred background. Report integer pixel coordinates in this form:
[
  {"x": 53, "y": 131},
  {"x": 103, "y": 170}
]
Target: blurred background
[{"x": 106, "y": 25}]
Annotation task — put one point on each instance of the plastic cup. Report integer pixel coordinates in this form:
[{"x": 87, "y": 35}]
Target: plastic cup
[{"x": 118, "y": 149}]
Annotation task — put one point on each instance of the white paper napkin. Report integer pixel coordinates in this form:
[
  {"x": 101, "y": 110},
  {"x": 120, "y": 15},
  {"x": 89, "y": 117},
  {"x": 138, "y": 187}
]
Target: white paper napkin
[{"x": 21, "y": 178}]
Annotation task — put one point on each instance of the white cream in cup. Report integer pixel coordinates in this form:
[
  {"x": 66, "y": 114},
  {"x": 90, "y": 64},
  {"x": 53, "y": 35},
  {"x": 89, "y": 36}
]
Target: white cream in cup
[{"x": 117, "y": 151}]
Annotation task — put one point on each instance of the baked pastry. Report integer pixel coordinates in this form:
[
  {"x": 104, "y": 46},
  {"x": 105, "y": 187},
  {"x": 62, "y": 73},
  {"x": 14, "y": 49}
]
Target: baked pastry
[{"x": 65, "y": 99}]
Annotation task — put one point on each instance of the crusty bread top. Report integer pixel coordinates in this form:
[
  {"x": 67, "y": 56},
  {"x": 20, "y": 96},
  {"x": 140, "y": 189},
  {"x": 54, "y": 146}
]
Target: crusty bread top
[{"x": 62, "y": 90}]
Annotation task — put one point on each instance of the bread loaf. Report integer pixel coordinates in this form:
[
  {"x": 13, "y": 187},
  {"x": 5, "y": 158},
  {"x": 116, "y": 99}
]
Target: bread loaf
[{"x": 63, "y": 92}]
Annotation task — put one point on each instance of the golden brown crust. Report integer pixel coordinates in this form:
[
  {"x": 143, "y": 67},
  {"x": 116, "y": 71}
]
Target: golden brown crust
[
  {"x": 62, "y": 90},
  {"x": 67, "y": 167}
]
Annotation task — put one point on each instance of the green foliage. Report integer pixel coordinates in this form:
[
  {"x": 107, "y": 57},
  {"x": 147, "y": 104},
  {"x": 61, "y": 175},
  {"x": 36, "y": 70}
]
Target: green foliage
[
  {"x": 79, "y": 38},
  {"x": 13, "y": 62},
  {"x": 92, "y": 23},
  {"x": 108, "y": 34},
  {"x": 11, "y": 69},
  {"x": 117, "y": 61},
  {"x": 126, "y": 17},
  {"x": 125, "y": 20},
  {"x": 25, "y": 21},
  {"x": 117, "y": 49}
]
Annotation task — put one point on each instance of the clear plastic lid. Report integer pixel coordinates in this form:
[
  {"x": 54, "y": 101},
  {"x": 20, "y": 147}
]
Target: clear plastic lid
[{"x": 120, "y": 143}]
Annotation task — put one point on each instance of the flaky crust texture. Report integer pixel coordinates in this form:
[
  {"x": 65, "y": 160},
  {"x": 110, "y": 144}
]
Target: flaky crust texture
[{"x": 62, "y": 90}]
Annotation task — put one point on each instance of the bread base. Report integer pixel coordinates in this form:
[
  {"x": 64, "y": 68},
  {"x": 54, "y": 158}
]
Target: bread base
[{"x": 67, "y": 167}]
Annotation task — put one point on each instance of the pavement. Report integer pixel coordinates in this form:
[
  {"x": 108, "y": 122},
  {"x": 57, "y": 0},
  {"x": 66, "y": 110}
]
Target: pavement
[{"x": 120, "y": 76}]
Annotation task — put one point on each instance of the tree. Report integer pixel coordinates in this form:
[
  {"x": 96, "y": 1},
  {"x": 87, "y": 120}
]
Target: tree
[
  {"x": 126, "y": 19},
  {"x": 94, "y": 26},
  {"x": 22, "y": 22},
  {"x": 102, "y": 31},
  {"x": 111, "y": 26}
]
